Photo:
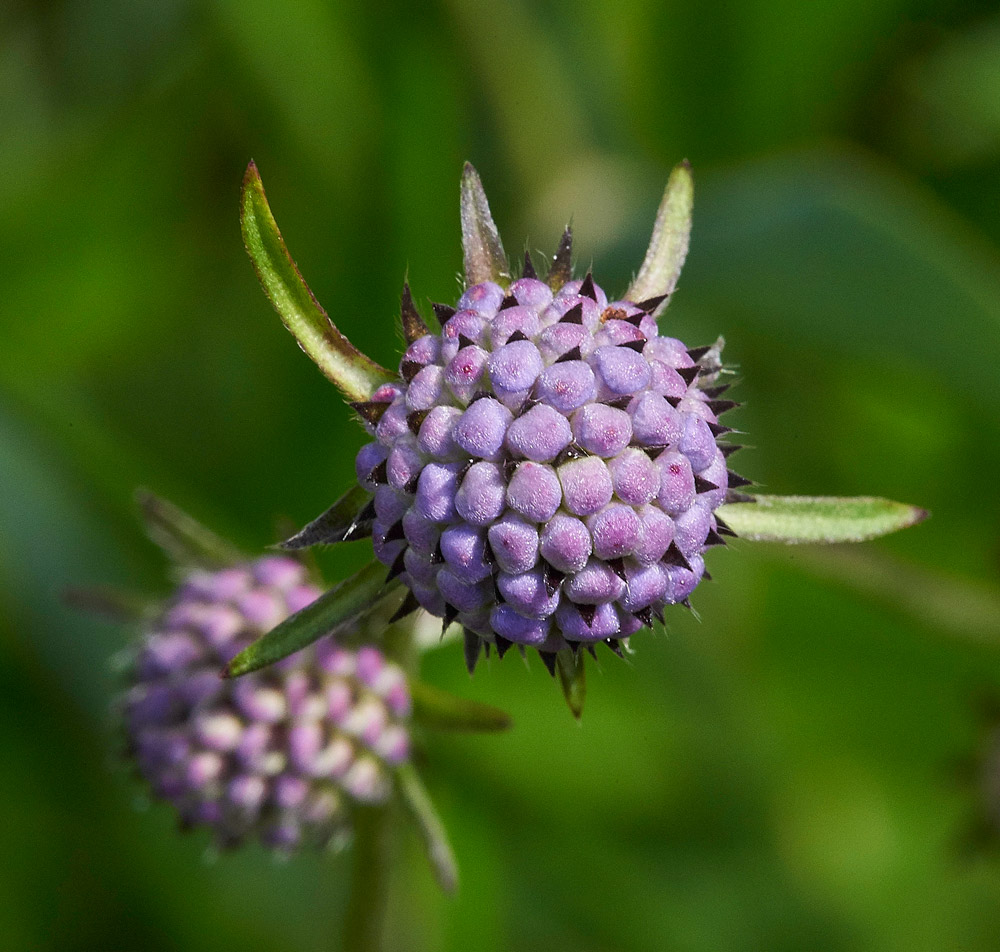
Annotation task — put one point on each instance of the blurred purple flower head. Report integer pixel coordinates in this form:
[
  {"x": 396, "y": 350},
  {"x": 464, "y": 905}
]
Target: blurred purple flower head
[{"x": 281, "y": 755}]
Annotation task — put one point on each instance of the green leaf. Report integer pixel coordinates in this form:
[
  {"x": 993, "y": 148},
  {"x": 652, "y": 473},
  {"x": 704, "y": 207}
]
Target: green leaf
[
  {"x": 572, "y": 677},
  {"x": 484, "y": 255},
  {"x": 357, "y": 376},
  {"x": 418, "y": 805},
  {"x": 668, "y": 246},
  {"x": 182, "y": 538},
  {"x": 340, "y": 523},
  {"x": 343, "y": 603},
  {"x": 444, "y": 711},
  {"x": 794, "y": 519}
]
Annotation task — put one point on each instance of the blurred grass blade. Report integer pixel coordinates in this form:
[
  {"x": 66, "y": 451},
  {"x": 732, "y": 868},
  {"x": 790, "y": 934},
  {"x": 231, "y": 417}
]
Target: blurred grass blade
[
  {"x": 572, "y": 677},
  {"x": 182, "y": 538},
  {"x": 356, "y": 375},
  {"x": 111, "y": 603},
  {"x": 444, "y": 711},
  {"x": 418, "y": 805},
  {"x": 668, "y": 246},
  {"x": 343, "y": 603},
  {"x": 340, "y": 523},
  {"x": 484, "y": 255},
  {"x": 794, "y": 519}
]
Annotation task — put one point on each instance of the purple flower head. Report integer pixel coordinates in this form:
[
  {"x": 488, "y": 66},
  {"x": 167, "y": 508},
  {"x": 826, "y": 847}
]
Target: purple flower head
[
  {"x": 559, "y": 468},
  {"x": 280, "y": 755}
]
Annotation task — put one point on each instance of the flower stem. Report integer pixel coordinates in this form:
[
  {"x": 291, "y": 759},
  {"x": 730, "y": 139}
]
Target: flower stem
[{"x": 364, "y": 928}]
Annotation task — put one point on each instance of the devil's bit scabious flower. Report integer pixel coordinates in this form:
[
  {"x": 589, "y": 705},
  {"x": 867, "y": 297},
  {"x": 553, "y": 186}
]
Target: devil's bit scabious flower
[
  {"x": 282, "y": 754},
  {"x": 546, "y": 468}
]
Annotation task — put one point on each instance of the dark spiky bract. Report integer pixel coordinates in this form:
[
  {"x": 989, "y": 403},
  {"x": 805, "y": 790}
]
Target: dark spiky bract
[
  {"x": 282, "y": 755},
  {"x": 546, "y": 469}
]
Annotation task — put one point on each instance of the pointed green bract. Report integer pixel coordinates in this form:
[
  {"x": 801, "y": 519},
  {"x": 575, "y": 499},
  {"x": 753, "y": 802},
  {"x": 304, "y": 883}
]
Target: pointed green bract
[
  {"x": 343, "y": 603},
  {"x": 484, "y": 255},
  {"x": 182, "y": 538},
  {"x": 442, "y": 710},
  {"x": 357, "y": 376},
  {"x": 338, "y": 524},
  {"x": 827, "y": 519},
  {"x": 418, "y": 805},
  {"x": 668, "y": 246},
  {"x": 572, "y": 677}
]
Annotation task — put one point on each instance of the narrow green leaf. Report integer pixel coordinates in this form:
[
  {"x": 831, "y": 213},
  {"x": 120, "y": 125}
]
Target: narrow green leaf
[
  {"x": 338, "y": 524},
  {"x": 357, "y": 376},
  {"x": 420, "y": 808},
  {"x": 668, "y": 246},
  {"x": 182, "y": 538},
  {"x": 794, "y": 519},
  {"x": 572, "y": 677},
  {"x": 343, "y": 603},
  {"x": 443, "y": 711},
  {"x": 484, "y": 255}
]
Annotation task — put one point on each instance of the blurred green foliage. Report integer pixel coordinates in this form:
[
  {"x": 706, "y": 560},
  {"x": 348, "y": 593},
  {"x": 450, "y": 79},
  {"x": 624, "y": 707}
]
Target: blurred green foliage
[{"x": 779, "y": 776}]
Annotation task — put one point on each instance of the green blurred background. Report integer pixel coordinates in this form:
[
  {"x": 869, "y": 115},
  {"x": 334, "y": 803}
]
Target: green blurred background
[{"x": 788, "y": 773}]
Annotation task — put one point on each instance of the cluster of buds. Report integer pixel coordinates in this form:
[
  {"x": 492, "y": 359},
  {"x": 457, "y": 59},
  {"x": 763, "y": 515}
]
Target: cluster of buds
[
  {"x": 281, "y": 754},
  {"x": 546, "y": 469}
]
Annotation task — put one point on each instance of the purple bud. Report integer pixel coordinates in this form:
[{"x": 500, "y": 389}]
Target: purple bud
[
  {"x": 615, "y": 530},
  {"x": 466, "y": 597},
  {"x": 422, "y": 534},
  {"x": 480, "y": 498},
  {"x": 390, "y": 504},
  {"x": 676, "y": 482},
  {"x": 534, "y": 491},
  {"x": 603, "y": 625},
  {"x": 436, "y": 490},
  {"x": 369, "y": 456},
  {"x": 540, "y": 434},
  {"x": 646, "y": 586},
  {"x": 435, "y": 437},
  {"x": 509, "y": 624},
  {"x": 484, "y": 298},
  {"x": 425, "y": 389},
  {"x": 465, "y": 370},
  {"x": 602, "y": 430},
  {"x": 514, "y": 543},
  {"x": 513, "y": 319},
  {"x": 482, "y": 428},
  {"x": 690, "y": 529},
  {"x": 423, "y": 350},
  {"x": 566, "y": 543},
  {"x": 697, "y": 442},
  {"x": 586, "y": 484},
  {"x": 621, "y": 370},
  {"x": 635, "y": 476},
  {"x": 526, "y": 593},
  {"x": 657, "y": 534},
  {"x": 419, "y": 567},
  {"x": 594, "y": 584},
  {"x": 531, "y": 293},
  {"x": 567, "y": 386},
  {"x": 464, "y": 549},
  {"x": 654, "y": 421},
  {"x": 404, "y": 464},
  {"x": 514, "y": 367}
]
